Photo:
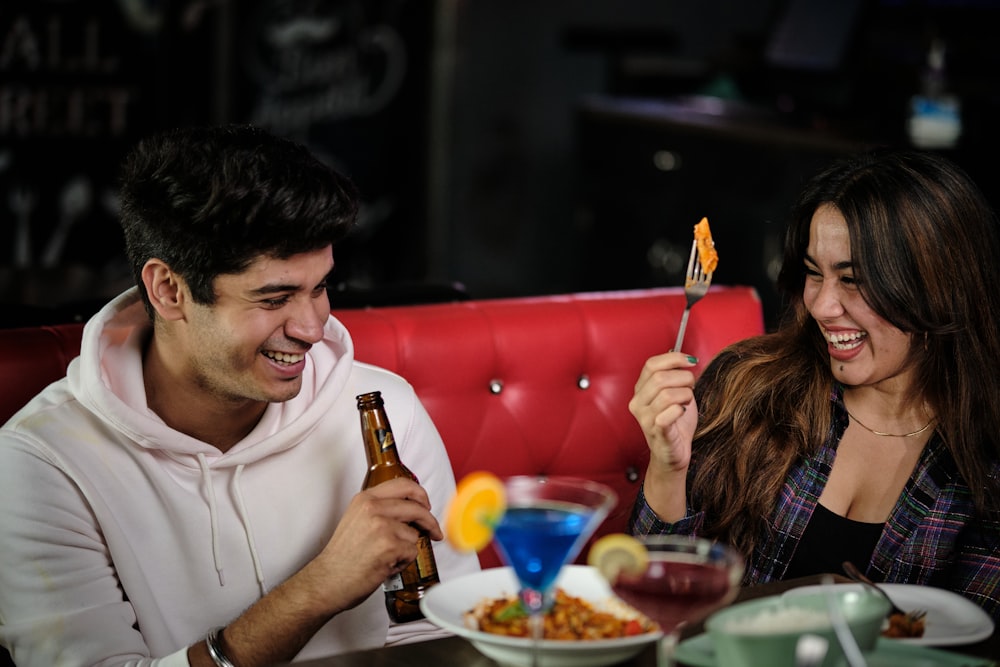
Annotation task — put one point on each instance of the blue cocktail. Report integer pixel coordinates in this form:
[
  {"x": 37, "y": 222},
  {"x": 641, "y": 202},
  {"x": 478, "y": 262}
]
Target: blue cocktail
[
  {"x": 547, "y": 522},
  {"x": 536, "y": 541}
]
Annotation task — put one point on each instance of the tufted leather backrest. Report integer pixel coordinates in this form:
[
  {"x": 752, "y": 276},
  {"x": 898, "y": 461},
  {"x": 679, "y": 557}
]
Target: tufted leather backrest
[{"x": 535, "y": 385}]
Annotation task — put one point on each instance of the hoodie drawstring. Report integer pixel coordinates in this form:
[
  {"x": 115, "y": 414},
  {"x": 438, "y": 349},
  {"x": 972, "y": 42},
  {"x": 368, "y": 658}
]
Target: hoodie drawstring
[
  {"x": 206, "y": 478},
  {"x": 248, "y": 528},
  {"x": 237, "y": 491}
]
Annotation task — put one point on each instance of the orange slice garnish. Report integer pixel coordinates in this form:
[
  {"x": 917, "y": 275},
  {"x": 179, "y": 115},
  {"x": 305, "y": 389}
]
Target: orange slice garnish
[{"x": 477, "y": 507}]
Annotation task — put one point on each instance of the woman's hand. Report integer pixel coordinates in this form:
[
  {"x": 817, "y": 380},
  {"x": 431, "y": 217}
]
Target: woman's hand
[{"x": 665, "y": 408}]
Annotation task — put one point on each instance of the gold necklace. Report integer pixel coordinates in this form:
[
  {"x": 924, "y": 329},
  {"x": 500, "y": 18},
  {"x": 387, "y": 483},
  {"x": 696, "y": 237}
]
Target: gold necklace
[{"x": 889, "y": 435}]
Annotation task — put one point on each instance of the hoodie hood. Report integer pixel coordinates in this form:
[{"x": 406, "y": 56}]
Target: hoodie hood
[{"x": 107, "y": 378}]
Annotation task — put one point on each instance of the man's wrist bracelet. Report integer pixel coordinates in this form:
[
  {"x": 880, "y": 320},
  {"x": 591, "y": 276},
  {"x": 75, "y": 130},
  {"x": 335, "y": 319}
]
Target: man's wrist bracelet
[{"x": 214, "y": 643}]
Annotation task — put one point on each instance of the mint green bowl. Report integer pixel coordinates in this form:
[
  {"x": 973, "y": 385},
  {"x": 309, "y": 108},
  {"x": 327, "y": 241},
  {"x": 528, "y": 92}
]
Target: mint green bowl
[{"x": 766, "y": 631}]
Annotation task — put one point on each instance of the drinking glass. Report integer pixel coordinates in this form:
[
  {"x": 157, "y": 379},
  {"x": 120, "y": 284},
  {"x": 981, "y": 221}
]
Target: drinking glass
[
  {"x": 547, "y": 522},
  {"x": 687, "y": 578}
]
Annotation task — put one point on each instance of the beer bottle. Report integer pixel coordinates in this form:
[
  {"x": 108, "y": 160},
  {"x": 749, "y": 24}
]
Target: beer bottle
[{"x": 403, "y": 590}]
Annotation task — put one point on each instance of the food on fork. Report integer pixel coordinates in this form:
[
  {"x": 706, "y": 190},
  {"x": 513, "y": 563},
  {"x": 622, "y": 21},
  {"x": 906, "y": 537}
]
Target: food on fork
[
  {"x": 905, "y": 626},
  {"x": 707, "y": 255}
]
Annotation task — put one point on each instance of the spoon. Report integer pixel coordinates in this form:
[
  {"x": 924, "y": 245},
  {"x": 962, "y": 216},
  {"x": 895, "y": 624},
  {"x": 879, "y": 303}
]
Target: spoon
[{"x": 845, "y": 637}]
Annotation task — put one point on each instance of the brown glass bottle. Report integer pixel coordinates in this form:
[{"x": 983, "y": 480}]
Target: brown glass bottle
[{"x": 404, "y": 590}]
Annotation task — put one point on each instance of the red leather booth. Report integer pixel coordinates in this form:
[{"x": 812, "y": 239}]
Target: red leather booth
[{"x": 536, "y": 385}]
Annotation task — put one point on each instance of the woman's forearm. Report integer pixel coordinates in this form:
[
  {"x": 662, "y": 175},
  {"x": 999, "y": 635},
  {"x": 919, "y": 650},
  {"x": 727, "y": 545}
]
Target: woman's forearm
[{"x": 666, "y": 493}]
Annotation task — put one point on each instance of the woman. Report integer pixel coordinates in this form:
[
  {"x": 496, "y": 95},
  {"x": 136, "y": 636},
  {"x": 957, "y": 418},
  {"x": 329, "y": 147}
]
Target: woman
[{"x": 867, "y": 428}]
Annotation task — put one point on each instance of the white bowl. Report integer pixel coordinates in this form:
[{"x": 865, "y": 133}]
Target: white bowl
[{"x": 445, "y": 605}]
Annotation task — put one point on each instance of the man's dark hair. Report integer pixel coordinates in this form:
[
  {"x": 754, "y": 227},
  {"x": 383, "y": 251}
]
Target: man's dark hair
[{"x": 211, "y": 200}]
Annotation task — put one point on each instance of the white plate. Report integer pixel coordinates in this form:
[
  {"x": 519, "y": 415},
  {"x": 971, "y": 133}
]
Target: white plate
[
  {"x": 445, "y": 606},
  {"x": 951, "y": 618}
]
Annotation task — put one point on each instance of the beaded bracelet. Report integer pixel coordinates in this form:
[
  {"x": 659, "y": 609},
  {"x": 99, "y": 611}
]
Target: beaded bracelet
[{"x": 214, "y": 643}]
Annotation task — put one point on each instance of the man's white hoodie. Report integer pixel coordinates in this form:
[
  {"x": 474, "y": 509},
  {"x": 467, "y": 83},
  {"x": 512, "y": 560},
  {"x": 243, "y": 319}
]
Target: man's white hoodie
[{"x": 122, "y": 540}]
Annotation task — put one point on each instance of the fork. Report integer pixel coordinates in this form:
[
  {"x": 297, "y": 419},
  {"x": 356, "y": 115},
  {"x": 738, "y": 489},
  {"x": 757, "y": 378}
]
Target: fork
[
  {"x": 695, "y": 287},
  {"x": 854, "y": 573}
]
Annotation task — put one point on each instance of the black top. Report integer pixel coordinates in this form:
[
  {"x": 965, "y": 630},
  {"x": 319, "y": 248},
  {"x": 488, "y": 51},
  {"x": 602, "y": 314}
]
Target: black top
[{"x": 829, "y": 540}]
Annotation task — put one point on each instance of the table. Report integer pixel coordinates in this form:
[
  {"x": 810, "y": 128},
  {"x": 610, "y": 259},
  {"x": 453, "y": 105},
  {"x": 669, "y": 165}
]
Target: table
[{"x": 457, "y": 652}]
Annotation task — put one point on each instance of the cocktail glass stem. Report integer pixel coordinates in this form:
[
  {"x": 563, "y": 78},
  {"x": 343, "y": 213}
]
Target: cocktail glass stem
[
  {"x": 666, "y": 648},
  {"x": 536, "y": 621},
  {"x": 535, "y": 602}
]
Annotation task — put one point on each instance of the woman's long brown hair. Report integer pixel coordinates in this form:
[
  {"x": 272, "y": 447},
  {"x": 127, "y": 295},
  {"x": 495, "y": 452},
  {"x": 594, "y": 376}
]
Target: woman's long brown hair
[{"x": 926, "y": 253}]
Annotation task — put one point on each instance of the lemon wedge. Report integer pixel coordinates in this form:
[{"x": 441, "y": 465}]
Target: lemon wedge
[{"x": 616, "y": 553}]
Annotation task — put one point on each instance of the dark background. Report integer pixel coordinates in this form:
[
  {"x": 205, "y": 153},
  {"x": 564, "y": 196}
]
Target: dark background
[{"x": 502, "y": 147}]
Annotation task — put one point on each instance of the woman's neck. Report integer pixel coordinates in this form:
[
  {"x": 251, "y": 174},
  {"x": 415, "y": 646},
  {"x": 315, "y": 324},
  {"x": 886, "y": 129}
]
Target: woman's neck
[{"x": 888, "y": 412}]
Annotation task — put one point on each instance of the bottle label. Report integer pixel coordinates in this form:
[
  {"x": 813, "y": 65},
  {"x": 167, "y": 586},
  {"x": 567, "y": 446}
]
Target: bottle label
[
  {"x": 426, "y": 567},
  {"x": 385, "y": 439},
  {"x": 393, "y": 583}
]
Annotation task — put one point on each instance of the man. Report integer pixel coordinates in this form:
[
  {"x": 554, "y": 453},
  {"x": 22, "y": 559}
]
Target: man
[{"x": 200, "y": 465}]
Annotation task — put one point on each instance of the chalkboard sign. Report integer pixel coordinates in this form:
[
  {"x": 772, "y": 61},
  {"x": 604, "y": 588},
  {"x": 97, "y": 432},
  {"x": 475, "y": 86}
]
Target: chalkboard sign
[
  {"x": 350, "y": 80},
  {"x": 80, "y": 82}
]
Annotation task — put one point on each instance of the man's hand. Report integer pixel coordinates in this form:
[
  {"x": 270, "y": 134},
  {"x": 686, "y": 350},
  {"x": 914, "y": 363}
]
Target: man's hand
[{"x": 376, "y": 537}]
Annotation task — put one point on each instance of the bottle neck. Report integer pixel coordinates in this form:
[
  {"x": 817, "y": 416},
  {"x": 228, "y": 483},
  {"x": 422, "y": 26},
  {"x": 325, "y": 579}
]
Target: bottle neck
[{"x": 380, "y": 446}]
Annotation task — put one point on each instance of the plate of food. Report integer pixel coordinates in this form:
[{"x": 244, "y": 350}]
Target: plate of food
[
  {"x": 951, "y": 619},
  {"x": 599, "y": 629}
]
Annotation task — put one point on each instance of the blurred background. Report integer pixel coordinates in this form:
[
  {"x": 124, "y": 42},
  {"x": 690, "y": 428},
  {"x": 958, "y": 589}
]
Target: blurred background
[{"x": 502, "y": 147}]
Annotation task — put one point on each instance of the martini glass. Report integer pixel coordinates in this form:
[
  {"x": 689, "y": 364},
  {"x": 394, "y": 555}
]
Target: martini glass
[
  {"x": 546, "y": 523},
  {"x": 686, "y": 579}
]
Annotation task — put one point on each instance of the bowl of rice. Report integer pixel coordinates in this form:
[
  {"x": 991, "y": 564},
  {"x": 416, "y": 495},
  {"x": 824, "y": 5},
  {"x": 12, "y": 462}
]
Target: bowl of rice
[{"x": 766, "y": 631}]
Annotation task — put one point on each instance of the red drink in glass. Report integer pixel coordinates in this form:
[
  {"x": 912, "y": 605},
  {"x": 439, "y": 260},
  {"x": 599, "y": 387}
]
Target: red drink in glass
[
  {"x": 687, "y": 578},
  {"x": 673, "y": 591}
]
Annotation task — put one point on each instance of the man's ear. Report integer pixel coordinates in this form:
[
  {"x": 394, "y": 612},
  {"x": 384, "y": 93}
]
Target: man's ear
[{"x": 165, "y": 289}]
